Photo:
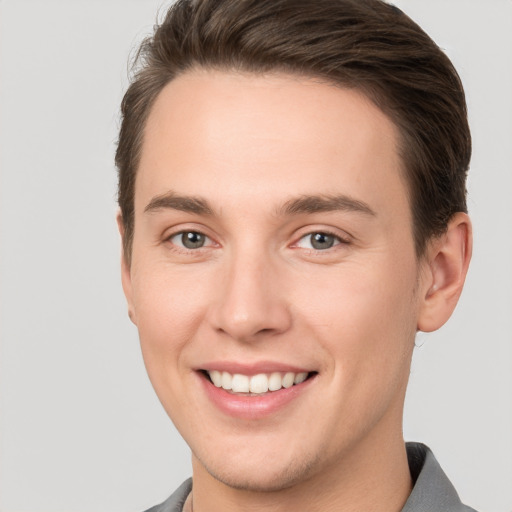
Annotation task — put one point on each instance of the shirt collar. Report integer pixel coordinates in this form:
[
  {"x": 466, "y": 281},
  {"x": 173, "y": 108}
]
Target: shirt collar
[{"x": 432, "y": 490}]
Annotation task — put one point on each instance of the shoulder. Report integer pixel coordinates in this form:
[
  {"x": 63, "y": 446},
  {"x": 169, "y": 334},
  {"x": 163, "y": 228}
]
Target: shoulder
[
  {"x": 432, "y": 489},
  {"x": 175, "y": 502}
]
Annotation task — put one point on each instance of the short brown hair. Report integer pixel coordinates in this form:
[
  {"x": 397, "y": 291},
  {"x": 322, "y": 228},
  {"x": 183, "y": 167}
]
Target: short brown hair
[{"x": 368, "y": 45}]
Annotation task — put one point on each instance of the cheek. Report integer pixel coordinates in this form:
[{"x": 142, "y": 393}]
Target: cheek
[
  {"x": 169, "y": 306},
  {"x": 365, "y": 316},
  {"x": 169, "y": 309},
  {"x": 366, "y": 326}
]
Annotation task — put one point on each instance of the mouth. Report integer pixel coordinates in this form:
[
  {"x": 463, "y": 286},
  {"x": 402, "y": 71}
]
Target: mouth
[{"x": 257, "y": 385}]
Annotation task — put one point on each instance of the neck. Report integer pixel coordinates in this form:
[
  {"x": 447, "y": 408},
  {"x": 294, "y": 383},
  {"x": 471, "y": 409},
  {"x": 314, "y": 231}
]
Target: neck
[{"x": 364, "y": 478}]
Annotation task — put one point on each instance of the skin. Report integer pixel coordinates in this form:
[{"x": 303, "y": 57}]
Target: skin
[{"x": 247, "y": 146}]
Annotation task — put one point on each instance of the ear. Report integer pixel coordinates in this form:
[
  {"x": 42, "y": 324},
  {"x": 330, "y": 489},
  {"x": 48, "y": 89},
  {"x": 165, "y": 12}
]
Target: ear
[
  {"x": 126, "y": 278},
  {"x": 444, "y": 273}
]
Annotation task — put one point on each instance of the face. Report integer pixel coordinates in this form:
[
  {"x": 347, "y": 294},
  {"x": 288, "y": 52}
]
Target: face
[{"x": 273, "y": 254}]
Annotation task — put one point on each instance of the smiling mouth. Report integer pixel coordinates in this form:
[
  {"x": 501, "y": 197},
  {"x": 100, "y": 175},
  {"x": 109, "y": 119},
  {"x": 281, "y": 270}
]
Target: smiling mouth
[{"x": 256, "y": 385}]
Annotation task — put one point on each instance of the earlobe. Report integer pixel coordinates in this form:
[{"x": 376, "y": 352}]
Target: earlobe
[
  {"x": 448, "y": 261},
  {"x": 126, "y": 271}
]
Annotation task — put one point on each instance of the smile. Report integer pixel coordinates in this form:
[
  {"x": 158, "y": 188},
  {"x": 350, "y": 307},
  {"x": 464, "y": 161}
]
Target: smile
[
  {"x": 254, "y": 392},
  {"x": 255, "y": 384}
]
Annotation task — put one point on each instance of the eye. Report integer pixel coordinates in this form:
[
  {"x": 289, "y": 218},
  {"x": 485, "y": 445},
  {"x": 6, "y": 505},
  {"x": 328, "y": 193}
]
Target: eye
[
  {"x": 190, "y": 240},
  {"x": 319, "y": 241}
]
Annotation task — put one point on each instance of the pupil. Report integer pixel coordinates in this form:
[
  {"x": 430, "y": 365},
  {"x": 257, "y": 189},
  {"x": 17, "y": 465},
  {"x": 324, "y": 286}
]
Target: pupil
[
  {"x": 192, "y": 240},
  {"x": 322, "y": 241}
]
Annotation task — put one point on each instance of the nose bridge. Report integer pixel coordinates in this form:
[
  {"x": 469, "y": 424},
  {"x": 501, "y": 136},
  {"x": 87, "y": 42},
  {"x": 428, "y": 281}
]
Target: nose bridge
[{"x": 251, "y": 302}]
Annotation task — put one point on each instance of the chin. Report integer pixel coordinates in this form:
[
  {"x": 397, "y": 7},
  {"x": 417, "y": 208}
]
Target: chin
[{"x": 270, "y": 476}]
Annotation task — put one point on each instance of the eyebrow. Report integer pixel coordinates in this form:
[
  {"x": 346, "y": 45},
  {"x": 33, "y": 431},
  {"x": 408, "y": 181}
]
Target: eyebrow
[
  {"x": 308, "y": 204},
  {"x": 172, "y": 201},
  {"x": 325, "y": 203}
]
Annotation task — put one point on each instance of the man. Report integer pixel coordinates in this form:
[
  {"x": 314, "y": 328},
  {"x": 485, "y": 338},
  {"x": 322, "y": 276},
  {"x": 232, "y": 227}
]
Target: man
[{"x": 292, "y": 193}]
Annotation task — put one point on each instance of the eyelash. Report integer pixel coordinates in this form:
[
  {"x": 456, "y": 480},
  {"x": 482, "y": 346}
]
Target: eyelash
[
  {"x": 338, "y": 240},
  {"x": 181, "y": 247},
  {"x": 208, "y": 242}
]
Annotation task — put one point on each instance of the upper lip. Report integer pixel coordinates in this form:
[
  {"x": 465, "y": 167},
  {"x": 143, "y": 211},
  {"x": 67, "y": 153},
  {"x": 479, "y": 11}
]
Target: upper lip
[{"x": 252, "y": 368}]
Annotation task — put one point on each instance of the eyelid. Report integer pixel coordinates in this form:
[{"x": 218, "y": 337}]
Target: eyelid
[
  {"x": 341, "y": 239},
  {"x": 181, "y": 233},
  {"x": 181, "y": 229}
]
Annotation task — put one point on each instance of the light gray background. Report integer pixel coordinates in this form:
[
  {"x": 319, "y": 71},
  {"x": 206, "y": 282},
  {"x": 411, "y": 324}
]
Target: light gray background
[{"x": 81, "y": 429}]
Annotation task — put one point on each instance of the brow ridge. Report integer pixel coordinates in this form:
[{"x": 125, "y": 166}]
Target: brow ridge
[
  {"x": 325, "y": 203},
  {"x": 170, "y": 200},
  {"x": 307, "y": 204}
]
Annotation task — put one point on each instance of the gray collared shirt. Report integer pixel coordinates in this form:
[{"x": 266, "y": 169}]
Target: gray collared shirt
[{"x": 432, "y": 491}]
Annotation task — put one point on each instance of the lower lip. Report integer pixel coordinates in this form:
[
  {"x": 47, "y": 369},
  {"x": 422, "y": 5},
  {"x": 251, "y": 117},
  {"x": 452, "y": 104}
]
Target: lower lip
[{"x": 255, "y": 406}]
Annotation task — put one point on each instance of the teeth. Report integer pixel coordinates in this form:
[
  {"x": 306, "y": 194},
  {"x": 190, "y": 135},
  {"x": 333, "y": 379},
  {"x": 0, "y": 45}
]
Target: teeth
[
  {"x": 300, "y": 377},
  {"x": 216, "y": 378},
  {"x": 240, "y": 383},
  {"x": 288, "y": 380},
  {"x": 260, "y": 383},
  {"x": 275, "y": 382},
  {"x": 226, "y": 380}
]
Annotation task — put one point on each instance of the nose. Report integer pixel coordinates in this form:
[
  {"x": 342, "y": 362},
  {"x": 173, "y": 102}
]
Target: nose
[{"x": 252, "y": 299}]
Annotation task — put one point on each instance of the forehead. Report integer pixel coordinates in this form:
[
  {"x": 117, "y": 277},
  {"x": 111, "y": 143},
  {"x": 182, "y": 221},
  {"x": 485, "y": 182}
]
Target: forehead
[{"x": 208, "y": 127}]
